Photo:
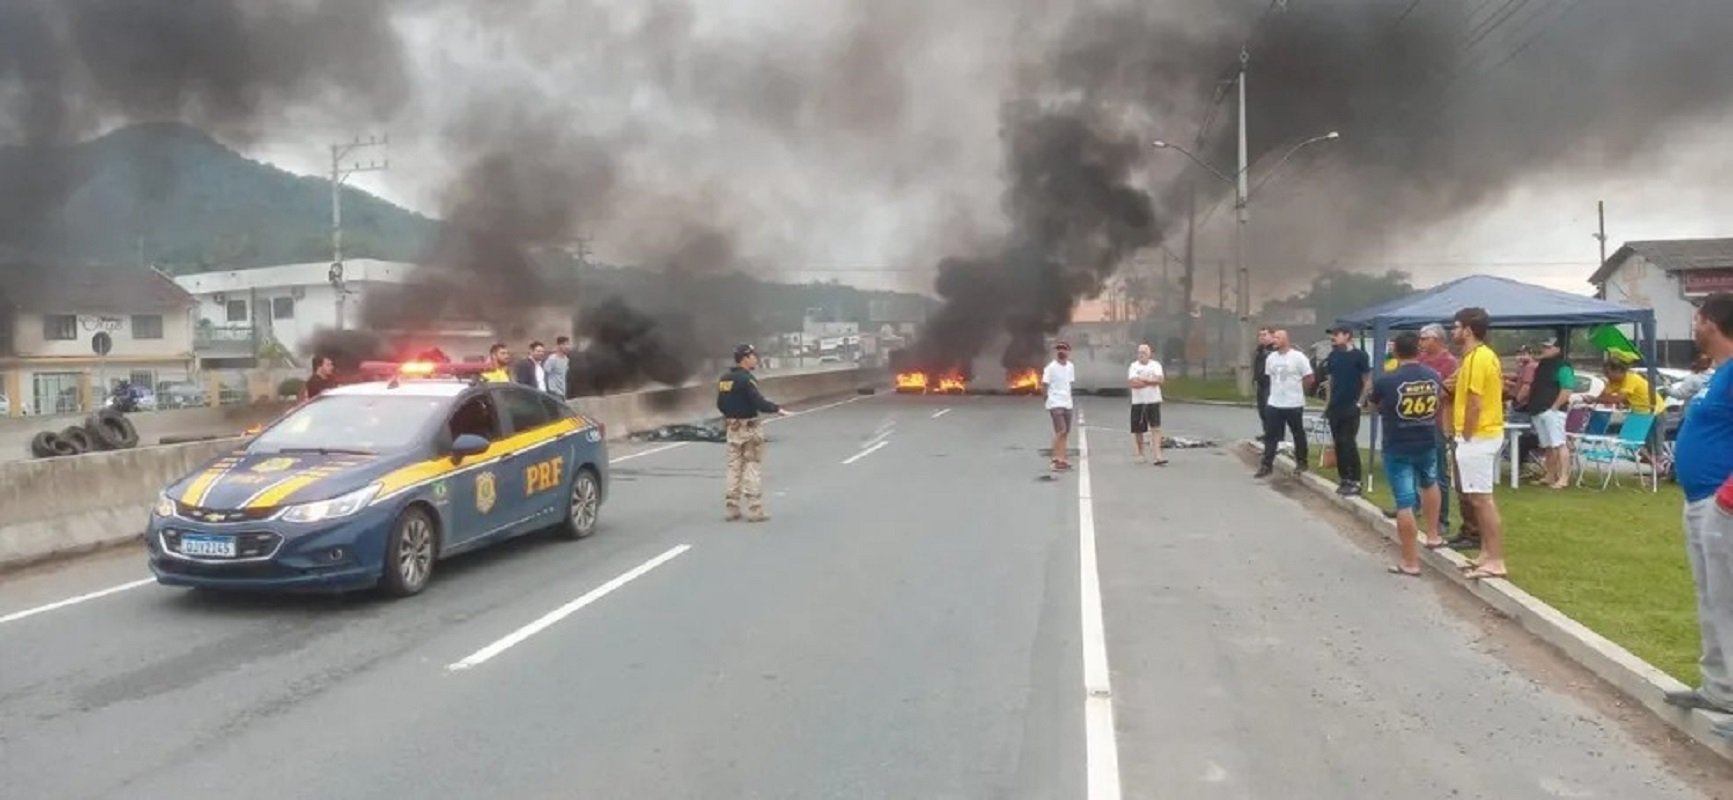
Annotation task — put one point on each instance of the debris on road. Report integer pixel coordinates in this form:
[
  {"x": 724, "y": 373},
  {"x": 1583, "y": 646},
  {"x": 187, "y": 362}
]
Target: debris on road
[
  {"x": 1185, "y": 443},
  {"x": 683, "y": 433}
]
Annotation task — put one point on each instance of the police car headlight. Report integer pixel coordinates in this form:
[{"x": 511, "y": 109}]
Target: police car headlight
[
  {"x": 336, "y": 507},
  {"x": 165, "y": 507}
]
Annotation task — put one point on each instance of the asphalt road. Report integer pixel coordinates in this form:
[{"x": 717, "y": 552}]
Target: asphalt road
[{"x": 906, "y": 626}]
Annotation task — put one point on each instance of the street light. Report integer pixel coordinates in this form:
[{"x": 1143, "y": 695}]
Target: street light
[{"x": 1242, "y": 199}]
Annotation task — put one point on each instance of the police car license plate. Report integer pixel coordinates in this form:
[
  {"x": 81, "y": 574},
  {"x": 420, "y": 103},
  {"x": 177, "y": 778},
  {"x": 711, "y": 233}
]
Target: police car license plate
[{"x": 193, "y": 544}]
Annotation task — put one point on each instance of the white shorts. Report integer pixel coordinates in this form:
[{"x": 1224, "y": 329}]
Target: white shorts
[
  {"x": 1477, "y": 464},
  {"x": 1549, "y": 428}
]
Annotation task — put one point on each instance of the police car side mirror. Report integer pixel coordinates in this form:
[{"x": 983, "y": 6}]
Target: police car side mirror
[{"x": 468, "y": 445}]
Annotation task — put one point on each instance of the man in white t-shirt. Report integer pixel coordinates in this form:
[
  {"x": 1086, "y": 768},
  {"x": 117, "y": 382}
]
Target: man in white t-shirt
[
  {"x": 1057, "y": 380},
  {"x": 1145, "y": 379},
  {"x": 1290, "y": 373}
]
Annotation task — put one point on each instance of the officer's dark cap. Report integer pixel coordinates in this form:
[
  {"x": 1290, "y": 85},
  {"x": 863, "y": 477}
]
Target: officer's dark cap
[{"x": 741, "y": 352}]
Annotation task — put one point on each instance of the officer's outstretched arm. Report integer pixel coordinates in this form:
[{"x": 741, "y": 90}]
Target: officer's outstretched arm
[{"x": 763, "y": 405}]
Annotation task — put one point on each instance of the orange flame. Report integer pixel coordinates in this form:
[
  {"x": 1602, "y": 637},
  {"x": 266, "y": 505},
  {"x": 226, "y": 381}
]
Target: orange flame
[
  {"x": 911, "y": 381},
  {"x": 953, "y": 384},
  {"x": 1026, "y": 381}
]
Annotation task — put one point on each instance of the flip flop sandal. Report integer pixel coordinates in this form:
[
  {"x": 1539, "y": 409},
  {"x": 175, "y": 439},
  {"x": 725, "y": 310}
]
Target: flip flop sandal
[
  {"x": 1481, "y": 574},
  {"x": 1440, "y": 546},
  {"x": 1160, "y": 463},
  {"x": 1396, "y": 569}
]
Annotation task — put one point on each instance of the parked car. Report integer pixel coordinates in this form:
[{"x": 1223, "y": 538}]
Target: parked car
[{"x": 372, "y": 484}]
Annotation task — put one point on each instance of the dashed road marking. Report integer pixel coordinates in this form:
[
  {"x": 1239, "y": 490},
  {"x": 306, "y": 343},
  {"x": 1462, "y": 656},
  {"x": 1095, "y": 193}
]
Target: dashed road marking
[
  {"x": 518, "y": 636},
  {"x": 31, "y": 612},
  {"x": 864, "y": 453}
]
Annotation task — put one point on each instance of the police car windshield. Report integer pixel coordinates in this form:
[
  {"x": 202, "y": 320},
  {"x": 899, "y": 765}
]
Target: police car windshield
[{"x": 351, "y": 423}]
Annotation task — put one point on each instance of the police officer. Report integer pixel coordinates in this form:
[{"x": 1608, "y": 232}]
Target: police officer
[{"x": 740, "y": 402}]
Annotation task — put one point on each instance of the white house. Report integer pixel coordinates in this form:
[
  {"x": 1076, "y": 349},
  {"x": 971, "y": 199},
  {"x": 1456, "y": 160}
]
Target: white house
[
  {"x": 1668, "y": 276},
  {"x": 52, "y": 320},
  {"x": 287, "y": 303}
]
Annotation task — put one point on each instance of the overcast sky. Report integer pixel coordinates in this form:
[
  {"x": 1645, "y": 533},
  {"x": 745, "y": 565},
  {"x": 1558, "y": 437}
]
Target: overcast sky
[{"x": 901, "y": 165}]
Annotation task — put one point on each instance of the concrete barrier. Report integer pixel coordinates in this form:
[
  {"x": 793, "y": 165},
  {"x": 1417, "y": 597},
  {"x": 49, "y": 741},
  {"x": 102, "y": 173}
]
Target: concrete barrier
[
  {"x": 16, "y": 432},
  {"x": 62, "y": 506}
]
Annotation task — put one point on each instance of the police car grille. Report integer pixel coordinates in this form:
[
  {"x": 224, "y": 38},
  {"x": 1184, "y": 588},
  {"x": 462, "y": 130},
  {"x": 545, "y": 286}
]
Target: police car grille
[
  {"x": 256, "y": 544},
  {"x": 223, "y": 515}
]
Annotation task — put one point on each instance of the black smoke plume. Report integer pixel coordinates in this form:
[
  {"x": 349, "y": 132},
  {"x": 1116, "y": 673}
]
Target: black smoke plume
[
  {"x": 1442, "y": 107},
  {"x": 1074, "y": 218},
  {"x": 68, "y": 67}
]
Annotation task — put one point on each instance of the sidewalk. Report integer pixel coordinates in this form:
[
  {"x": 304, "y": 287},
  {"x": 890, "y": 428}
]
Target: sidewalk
[{"x": 1638, "y": 679}]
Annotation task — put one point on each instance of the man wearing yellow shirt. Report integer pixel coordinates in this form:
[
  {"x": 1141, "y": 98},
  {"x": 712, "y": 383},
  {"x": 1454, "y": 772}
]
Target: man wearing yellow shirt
[
  {"x": 499, "y": 361},
  {"x": 1628, "y": 389},
  {"x": 1477, "y": 414}
]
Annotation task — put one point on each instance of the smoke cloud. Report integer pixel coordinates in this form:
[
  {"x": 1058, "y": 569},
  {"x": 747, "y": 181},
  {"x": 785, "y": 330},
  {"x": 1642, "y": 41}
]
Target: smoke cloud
[
  {"x": 69, "y": 67},
  {"x": 1006, "y": 143}
]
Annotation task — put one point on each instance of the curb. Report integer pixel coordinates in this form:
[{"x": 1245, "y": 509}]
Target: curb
[{"x": 1639, "y": 680}]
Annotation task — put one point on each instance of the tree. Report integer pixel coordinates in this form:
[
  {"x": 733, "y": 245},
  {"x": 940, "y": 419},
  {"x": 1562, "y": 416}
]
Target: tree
[{"x": 1334, "y": 293}]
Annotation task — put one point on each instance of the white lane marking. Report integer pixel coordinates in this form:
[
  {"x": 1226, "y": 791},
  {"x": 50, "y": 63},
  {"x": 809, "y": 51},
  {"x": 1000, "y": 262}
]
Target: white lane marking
[
  {"x": 650, "y": 452},
  {"x": 941, "y": 412},
  {"x": 1101, "y": 748},
  {"x": 517, "y": 637},
  {"x": 864, "y": 453},
  {"x": 31, "y": 612},
  {"x": 824, "y": 407}
]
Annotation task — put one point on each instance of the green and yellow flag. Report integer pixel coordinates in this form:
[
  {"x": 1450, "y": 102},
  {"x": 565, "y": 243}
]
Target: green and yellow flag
[{"x": 1614, "y": 343}]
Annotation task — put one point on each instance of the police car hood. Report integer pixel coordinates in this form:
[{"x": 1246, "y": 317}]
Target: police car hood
[{"x": 260, "y": 481}]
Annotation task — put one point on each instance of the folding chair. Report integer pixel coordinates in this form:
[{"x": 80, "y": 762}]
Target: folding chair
[
  {"x": 1607, "y": 452},
  {"x": 1595, "y": 426}
]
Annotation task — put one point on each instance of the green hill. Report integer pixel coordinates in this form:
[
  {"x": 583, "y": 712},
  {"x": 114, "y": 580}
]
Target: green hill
[
  {"x": 168, "y": 194},
  {"x": 182, "y": 200}
]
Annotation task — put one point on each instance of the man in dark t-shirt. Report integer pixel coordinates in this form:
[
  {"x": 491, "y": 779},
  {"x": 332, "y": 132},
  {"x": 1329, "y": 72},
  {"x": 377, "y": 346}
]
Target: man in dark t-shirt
[
  {"x": 1350, "y": 374},
  {"x": 324, "y": 377},
  {"x": 1408, "y": 400}
]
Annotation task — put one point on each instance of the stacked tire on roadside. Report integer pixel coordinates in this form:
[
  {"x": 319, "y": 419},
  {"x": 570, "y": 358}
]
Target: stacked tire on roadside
[{"x": 105, "y": 430}]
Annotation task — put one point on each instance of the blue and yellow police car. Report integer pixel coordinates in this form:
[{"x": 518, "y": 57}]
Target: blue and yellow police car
[{"x": 371, "y": 484}]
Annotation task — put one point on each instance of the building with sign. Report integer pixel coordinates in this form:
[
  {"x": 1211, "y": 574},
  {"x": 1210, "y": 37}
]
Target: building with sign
[
  {"x": 241, "y": 311},
  {"x": 1668, "y": 276},
  {"x": 55, "y": 320}
]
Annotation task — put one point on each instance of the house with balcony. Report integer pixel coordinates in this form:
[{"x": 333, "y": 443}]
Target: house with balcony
[
  {"x": 54, "y": 319},
  {"x": 243, "y": 313},
  {"x": 1669, "y": 276}
]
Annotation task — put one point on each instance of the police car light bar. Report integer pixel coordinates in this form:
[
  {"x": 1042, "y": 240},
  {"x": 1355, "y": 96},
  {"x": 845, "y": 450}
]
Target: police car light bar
[{"x": 423, "y": 369}]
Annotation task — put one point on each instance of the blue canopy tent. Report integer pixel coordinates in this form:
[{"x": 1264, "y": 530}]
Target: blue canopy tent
[{"x": 1510, "y": 304}]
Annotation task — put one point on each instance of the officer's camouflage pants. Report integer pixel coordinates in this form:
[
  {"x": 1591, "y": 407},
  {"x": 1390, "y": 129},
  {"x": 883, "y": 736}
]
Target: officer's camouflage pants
[{"x": 745, "y": 456}]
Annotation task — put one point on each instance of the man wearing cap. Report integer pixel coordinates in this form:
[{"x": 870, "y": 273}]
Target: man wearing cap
[
  {"x": 1548, "y": 394},
  {"x": 740, "y": 402},
  {"x": 1349, "y": 372},
  {"x": 1057, "y": 379}
]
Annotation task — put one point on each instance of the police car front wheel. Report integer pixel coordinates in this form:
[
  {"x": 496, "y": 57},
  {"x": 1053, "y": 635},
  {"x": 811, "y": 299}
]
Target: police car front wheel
[{"x": 410, "y": 553}]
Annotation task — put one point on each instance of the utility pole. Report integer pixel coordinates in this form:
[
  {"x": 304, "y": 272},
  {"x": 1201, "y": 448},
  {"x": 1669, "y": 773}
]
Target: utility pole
[
  {"x": 1221, "y": 299},
  {"x": 1601, "y": 211},
  {"x": 1187, "y": 282},
  {"x": 1243, "y": 303},
  {"x": 340, "y": 173}
]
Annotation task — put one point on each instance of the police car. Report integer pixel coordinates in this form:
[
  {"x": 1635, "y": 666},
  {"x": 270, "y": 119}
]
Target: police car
[{"x": 371, "y": 484}]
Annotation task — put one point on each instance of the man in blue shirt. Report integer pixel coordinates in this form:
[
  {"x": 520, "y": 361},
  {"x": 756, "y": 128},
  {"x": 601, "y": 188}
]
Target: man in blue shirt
[
  {"x": 1350, "y": 374},
  {"x": 1409, "y": 399},
  {"x": 1703, "y": 462}
]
